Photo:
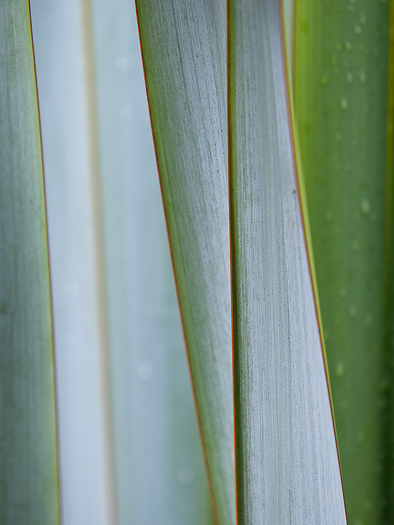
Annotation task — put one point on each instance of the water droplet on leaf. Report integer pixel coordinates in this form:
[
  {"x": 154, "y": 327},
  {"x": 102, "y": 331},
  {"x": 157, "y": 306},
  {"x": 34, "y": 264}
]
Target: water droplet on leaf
[
  {"x": 340, "y": 369},
  {"x": 365, "y": 206},
  {"x": 343, "y": 405},
  {"x": 343, "y": 103},
  {"x": 352, "y": 311},
  {"x": 324, "y": 81}
]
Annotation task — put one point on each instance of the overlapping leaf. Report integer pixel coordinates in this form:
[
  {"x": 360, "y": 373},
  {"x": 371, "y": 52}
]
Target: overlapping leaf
[
  {"x": 341, "y": 103},
  {"x": 287, "y": 468},
  {"x": 28, "y": 462},
  {"x": 184, "y": 52}
]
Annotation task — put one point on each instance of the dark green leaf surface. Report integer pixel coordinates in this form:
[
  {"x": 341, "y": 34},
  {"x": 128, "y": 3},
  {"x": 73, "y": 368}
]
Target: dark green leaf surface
[
  {"x": 287, "y": 467},
  {"x": 28, "y": 464},
  {"x": 341, "y": 103}
]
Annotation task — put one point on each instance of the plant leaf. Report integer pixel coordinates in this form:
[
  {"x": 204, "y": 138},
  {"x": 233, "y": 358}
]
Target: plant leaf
[
  {"x": 389, "y": 274},
  {"x": 341, "y": 104},
  {"x": 184, "y": 53},
  {"x": 160, "y": 469},
  {"x": 28, "y": 462},
  {"x": 287, "y": 467},
  {"x": 59, "y": 32}
]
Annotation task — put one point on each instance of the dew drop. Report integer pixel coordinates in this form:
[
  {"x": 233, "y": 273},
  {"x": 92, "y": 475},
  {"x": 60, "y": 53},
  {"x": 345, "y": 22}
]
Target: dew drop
[
  {"x": 352, "y": 311},
  {"x": 338, "y": 136},
  {"x": 329, "y": 216},
  {"x": 357, "y": 521},
  {"x": 335, "y": 71},
  {"x": 343, "y": 405},
  {"x": 363, "y": 19},
  {"x": 342, "y": 292},
  {"x": 349, "y": 77},
  {"x": 324, "y": 81},
  {"x": 338, "y": 46},
  {"x": 340, "y": 369},
  {"x": 343, "y": 103},
  {"x": 357, "y": 29},
  {"x": 355, "y": 248},
  {"x": 365, "y": 206},
  {"x": 348, "y": 46},
  {"x": 362, "y": 76},
  {"x": 352, "y": 1},
  {"x": 360, "y": 438}
]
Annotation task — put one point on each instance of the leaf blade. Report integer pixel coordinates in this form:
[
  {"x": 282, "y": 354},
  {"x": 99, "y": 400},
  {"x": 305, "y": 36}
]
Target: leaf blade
[
  {"x": 29, "y": 492},
  {"x": 184, "y": 54},
  {"x": 160, "y": 470},
  {"x": 340, "y": 99},
  {"x": 60, "y": 50},
  {"x": 287, "y": 467}
]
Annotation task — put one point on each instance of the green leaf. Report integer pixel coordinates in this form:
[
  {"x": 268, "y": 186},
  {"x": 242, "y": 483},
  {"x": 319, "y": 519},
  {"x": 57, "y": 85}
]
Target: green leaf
[
  {"x": 389, "y": 274},
  {"x": 341, "y": 104},
  {"x": 287, "y": 468},
  {"x": 28, "y": 463},
  {"x": 184, "y": 52}
]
